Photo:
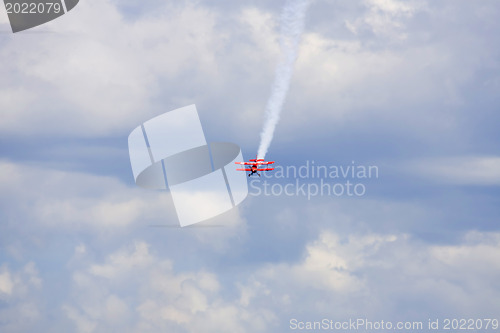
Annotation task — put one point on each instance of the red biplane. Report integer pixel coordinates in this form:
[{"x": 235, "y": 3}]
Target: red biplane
[{"x": 255, "y": 166}]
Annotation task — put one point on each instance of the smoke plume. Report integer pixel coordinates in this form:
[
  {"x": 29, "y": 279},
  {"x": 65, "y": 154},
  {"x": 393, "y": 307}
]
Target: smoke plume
[{"x": 292, "y": 25}]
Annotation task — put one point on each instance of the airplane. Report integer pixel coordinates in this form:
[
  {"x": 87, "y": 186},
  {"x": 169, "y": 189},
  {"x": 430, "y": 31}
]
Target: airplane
[{"x": 255, "y": 163}]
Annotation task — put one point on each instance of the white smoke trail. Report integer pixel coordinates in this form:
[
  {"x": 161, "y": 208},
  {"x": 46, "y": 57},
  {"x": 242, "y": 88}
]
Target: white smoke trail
[{"x": 292, "y": 25}]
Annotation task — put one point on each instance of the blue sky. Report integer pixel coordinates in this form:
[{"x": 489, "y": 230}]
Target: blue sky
[{"x": 410, "y": 86}]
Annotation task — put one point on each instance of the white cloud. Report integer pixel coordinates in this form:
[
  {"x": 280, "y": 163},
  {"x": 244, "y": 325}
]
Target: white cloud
[
  {"x": 123, "y": 263},
  {"x": 459, "y": 170},
  {"x": 100, "y": 71},
  {"x": 115, "y": 310},
  {"x": 338, "y": 80},
  {"x": 262, "y": 29},
  {"x": 142, "y": 289},
  {"x": 103, "y": 72},
  {"x": 4, "y": 19},
  {"x": 385, "y": 17},
  {"x": 417, "y": 81},
  {"x": 6, "y": 284},
  {"x": 101, "y": 207},
  {"x": 122, "y": 71},
  {"x": 20, "y": 297},
  {"x": 368, "y": 275},
  {"x": 372, "y": 275},
  {"x": 78, "y": 201},
  {"x": 83, "y": 324},
  {"x": 17, "y": 285}
]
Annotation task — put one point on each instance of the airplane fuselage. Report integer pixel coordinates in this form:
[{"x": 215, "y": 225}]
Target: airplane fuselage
[{"x": 254, "y": 170}]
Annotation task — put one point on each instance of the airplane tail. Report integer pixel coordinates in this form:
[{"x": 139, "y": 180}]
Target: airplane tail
[{"x": 256, "y": 159}]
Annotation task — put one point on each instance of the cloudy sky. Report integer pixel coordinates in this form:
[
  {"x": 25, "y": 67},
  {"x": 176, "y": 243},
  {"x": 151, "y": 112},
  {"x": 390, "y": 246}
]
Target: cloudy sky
[{"x": 412, "y": 87}]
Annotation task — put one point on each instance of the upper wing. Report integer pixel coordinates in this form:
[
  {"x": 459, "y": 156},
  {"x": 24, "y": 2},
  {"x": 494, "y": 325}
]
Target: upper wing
[{"x": 254, "y": 163}]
